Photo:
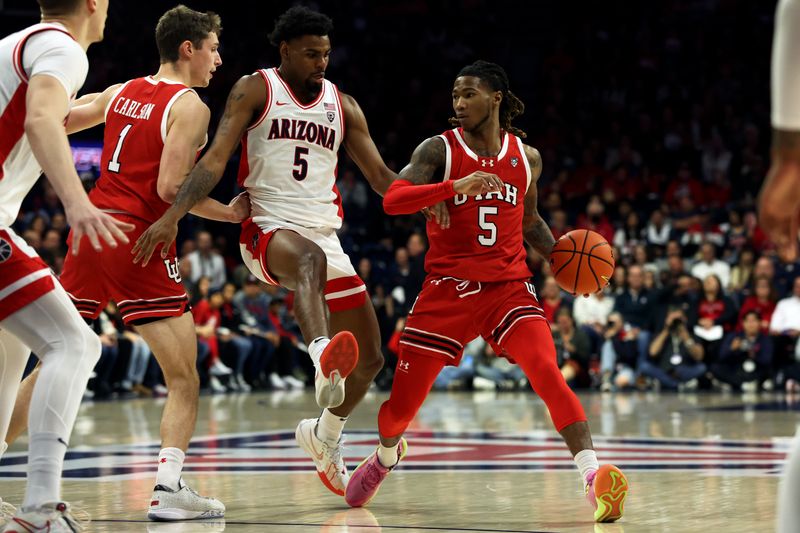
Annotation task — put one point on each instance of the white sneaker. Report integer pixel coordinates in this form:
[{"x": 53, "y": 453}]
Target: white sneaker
[
  {"x": 182, "y": 504},
  {"x": 219, "y": 369},
  {"x": 337, "y": 361},
  {"x": 6, "y": 512},
  {"x": 482, "y": 383},
  {"x": 243, "y": 385},
  {"x": 51, "y": 517},
  {"x": 327, "y": 458},
  {"x": 293, "y": 382},
  {"x": 216, "y": 385},
  {"x": 276, "y": 382}
]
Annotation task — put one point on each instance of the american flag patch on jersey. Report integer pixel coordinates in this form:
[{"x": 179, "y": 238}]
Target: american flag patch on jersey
[{"x": 329, "y": 107}]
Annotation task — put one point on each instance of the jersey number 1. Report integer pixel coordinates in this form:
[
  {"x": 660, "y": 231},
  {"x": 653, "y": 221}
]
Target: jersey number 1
[{"x": 113, "y": 164}]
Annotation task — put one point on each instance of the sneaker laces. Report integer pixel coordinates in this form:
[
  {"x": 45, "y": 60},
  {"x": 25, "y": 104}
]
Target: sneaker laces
[
  {"x": 7, "y": 511},
  {"x": 334, "y": 452},
  {"x": 373, "y": 476}
]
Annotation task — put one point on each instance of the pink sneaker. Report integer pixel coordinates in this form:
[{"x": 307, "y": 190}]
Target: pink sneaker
[
  {"x": 366, "y": 479},
  {"x": 606, "y": 490}
]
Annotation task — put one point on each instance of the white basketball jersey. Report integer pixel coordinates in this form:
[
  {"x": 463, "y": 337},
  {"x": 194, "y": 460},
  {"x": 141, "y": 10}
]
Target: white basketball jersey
[
  {"x": 52, "y": 52},
  {"x": 289, "y": 157}
]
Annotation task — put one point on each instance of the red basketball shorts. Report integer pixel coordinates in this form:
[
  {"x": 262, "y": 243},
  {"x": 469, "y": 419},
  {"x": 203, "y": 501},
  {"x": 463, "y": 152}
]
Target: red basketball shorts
[
  {"x": 451, "y": 312},
  {"x": 93, "y": 278},
  {"x": 24, "y": 277},
  {"x": 344, "y": 289}
]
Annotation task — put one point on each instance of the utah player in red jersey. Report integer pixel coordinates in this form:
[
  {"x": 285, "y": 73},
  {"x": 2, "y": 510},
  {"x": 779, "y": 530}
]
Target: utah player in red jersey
[
  {"x": 477, "y": 282},
  {"x": 279, "y": 116},
  {"x": 154, "y": 127}
]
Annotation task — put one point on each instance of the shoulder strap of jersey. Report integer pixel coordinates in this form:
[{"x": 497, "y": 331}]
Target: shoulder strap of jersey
[
  {"x": 449, "y": 144},
  {"x": 524, "y": 157},
  {"x": 168, "y": 107},
  {"x": 20, "y": 47},
  {"x": 114, "y": 97},
  {"x": 264, "y": 73},
  {"x": 335, "y": 90}
]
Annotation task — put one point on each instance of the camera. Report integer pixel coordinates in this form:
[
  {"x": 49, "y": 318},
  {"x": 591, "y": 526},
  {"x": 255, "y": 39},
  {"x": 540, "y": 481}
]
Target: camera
[{"x": 676, "y": 324}]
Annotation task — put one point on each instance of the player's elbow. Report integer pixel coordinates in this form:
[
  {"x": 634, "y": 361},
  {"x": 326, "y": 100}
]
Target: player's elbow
[{"x": 167, "y": 192}]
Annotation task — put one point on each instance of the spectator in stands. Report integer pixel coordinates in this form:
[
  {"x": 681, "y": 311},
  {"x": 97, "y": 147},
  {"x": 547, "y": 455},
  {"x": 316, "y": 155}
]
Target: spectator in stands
[
  {"x": 619, "y": 355},
  {"x": 742, "y": 272},
  {"x": 205, "y": 261},
  {"x": 716, "y": 316},
  {"x": 785, "y": 324},
  {"x": 230, "y": 334},
  {"x": 635, "y": 306},
  {"x": 595, "y": 219},
  {"x": 709, "y": 264},
  {"x": 552, "y": 298},
  {"x": 762, "y": 301},
  {"x": 659, "y": 229},
  {"x": 572, "y": 349},
  {"x": 207, "y": 319},
  {"x": 676, "y": 358},
  {"x": 745, "y": 358}
]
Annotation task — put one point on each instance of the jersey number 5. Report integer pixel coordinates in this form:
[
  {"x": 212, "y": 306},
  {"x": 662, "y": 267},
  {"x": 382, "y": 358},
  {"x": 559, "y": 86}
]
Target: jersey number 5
[
  {"x": 113, "y": 164},
  {"x": 300, "y": 173},
  {"x": 483, "y": 213}
]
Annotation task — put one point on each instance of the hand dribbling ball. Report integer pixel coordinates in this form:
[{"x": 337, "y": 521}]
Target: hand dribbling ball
[{"x": 582, "y": 262}]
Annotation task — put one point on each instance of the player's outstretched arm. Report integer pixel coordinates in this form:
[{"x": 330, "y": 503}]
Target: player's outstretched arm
[
  {"x": 361, "y": 148},
  {"x": 413, "y": 191},
  {"x": 90, "y": 109},
  {"x": 779, "y": 199},
  {"x": 534, "y": 228},
  {"x": 47, "y": 106},
  {"x": 247, "y": 97}
]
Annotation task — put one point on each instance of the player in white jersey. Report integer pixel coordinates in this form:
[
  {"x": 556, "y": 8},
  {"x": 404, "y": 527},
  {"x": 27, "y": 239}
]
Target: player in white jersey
[
  {"x": 41, "y": 69},
  {"x": 779, "y": 202},
  {"x": 291, "y": 122}
]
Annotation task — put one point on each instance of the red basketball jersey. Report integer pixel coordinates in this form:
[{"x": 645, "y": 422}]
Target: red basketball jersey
[
  {"x": 484, "y": 241},
  {"x": 136, "y": 128}
]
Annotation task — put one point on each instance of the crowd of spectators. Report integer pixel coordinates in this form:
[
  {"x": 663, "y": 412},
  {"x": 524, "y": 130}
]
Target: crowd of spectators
[{"x": 653, "y": 125}]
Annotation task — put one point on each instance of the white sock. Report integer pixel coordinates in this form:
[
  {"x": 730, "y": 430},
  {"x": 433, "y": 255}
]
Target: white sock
[
  {"x": 316, "y": 347},
  {"x": 170, "y": 464},
  {"x": 587, "y": 463},
  {"x": 46, "y": 459},
  {"x": 388, "y": 456},
  {"x": 330, "y": 426}
]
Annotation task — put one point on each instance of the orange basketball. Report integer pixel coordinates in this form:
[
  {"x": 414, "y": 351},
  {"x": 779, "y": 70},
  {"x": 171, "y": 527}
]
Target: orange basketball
[{"x": 582, "y": 262}]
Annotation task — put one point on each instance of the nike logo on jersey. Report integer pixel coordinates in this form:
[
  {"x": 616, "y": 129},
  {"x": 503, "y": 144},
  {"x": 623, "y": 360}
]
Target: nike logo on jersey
[
  {"x": 63, "y": 442},
  {"x": 281, "y": 103}
]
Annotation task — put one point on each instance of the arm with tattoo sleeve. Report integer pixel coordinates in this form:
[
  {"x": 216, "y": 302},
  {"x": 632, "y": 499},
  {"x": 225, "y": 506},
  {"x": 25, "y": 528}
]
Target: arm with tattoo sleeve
[
  {"x": 413, "y": 190},
  {"x": 534, "y": 228}
]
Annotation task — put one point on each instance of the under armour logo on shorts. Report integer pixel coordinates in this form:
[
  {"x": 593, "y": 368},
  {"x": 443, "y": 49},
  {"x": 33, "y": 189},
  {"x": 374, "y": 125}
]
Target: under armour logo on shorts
[{"x": 403, "y": 366}]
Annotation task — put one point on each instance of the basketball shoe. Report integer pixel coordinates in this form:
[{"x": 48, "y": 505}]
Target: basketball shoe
[
  {"x": 368, "y": 476},
  {"x": 606, "y": 490},
  {"x": 52, "y": 517},
  {"x": 6, "y": 512},
  {"x": 327, "y": 458},
  {"x": 338, "y": 359},
  {"x": 182, "y": 504}
]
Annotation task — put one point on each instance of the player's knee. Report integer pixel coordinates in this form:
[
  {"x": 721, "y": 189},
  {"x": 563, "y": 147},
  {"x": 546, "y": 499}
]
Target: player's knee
[
  {"x": 312, "y": 266},
  {"x": 182, "y": 376}
]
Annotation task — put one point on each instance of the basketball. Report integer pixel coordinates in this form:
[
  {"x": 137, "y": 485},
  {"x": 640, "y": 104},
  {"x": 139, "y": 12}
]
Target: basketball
[{"x": 582, "y": 262}]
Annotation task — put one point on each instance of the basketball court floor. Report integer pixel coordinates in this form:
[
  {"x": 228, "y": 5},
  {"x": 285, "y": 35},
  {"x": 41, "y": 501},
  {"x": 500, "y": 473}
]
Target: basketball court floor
[{"x": 478, "y": 462}]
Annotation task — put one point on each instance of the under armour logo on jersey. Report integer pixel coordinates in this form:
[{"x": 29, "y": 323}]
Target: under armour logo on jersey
[
  {"x": 172, "y": 270},
  {"x": 487, "y": 162},
  {"x": 5, "y": 250},
  {"x": 403, "y": 366}
]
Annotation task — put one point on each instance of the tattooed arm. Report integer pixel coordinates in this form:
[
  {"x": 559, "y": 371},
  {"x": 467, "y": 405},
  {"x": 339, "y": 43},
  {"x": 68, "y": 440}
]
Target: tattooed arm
[
  {"x": 534, "y": 228},
  {"x": 246, "y": 99},
  {"x": 413, "y": 190}
]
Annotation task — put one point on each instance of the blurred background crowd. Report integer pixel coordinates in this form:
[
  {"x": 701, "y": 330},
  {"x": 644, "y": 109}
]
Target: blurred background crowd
[{"x": 653, "y": 124}]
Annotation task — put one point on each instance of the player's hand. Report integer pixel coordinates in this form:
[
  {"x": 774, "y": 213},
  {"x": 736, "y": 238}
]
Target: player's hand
[
  {"x": 779, "y": 208},
  {"x": 478, "y": 182},
  {"x": 241, "y": 208},
  {"x": 439, "y": 214},
  {"x": 85, "y": 219},
  {"x": 163, "y": 231}
]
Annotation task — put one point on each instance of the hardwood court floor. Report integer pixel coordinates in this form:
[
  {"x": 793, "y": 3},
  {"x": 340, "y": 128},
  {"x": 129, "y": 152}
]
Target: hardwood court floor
[{"x": 478, "y": 462}]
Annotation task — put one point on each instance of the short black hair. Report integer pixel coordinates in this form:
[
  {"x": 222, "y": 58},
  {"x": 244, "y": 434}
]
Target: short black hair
[
  {"x": 752, "y": 312},
  {"x": 58, "y": 7},
  {"x": 299, "y": 21}
]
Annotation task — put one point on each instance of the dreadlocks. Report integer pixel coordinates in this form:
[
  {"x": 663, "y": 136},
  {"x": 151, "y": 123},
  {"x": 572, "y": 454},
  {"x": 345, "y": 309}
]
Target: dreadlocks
[{"x": 497, "y": 79}]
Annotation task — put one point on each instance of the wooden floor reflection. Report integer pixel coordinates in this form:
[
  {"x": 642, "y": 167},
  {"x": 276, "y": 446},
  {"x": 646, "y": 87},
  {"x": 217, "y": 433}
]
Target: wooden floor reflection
[{"x": 478, "y": 462}]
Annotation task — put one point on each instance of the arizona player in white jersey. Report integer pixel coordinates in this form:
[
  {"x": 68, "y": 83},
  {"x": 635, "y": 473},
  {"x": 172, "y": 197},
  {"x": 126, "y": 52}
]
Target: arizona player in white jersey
[
  {"x": 291, "y": 121},
  {"x": 41, "y": 70},
  {"x": 779, "y": 202}
]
